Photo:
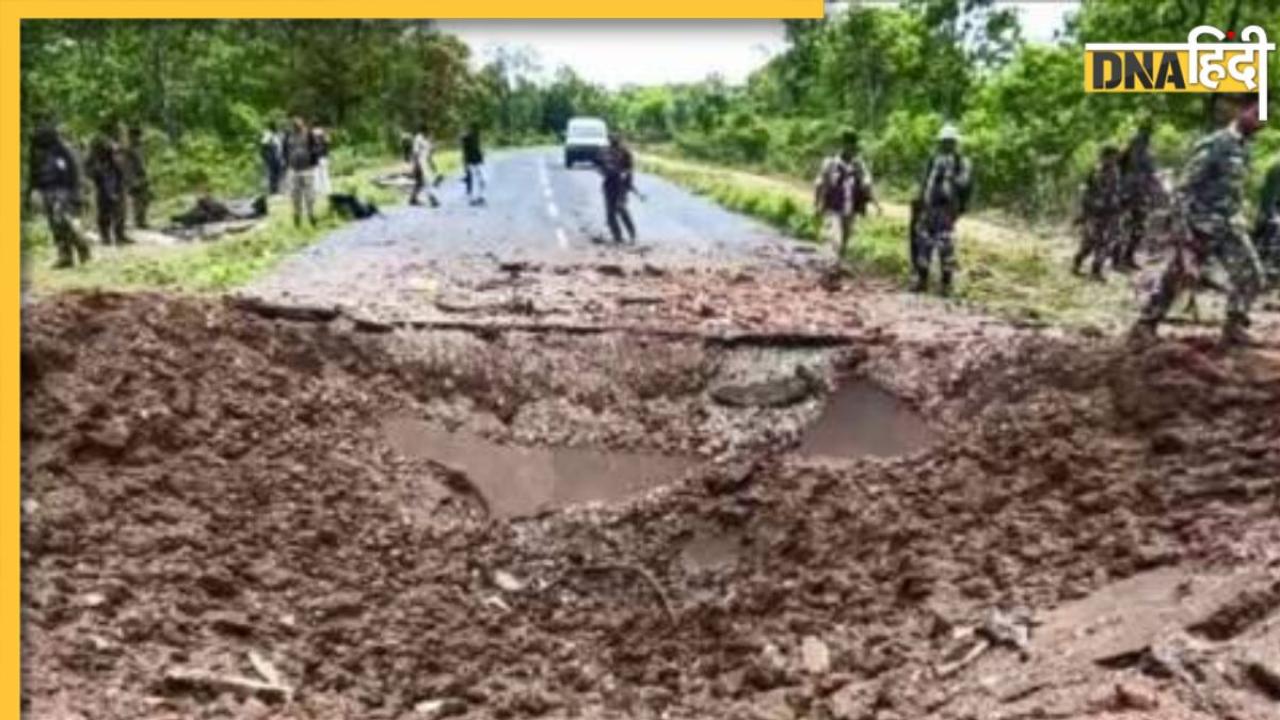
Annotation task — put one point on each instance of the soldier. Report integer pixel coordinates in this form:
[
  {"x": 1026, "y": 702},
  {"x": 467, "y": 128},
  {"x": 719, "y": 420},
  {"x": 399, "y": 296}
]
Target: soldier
[
  {"x": 842, "y": 190},
  {"x": 944, "y": 195},
  {"x": 1211, "y": 195},
  {"x": 105, "y": 166},
  {"x": 1266, "y": 229},
  {"x": 1139, "y": 186},
  {"x": 300, "y": 156},
  {"x": 616, "y": 166},
  {"x": 136, "y": 175},
  {"x": 422, "y": 160},
  {"x": 54, "y": 173},
  {"x": 1100, "y": 212}
]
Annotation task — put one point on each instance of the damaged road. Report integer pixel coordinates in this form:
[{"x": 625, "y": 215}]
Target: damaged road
[
  {"x": 204, "y": 486},
  {"x": 622, "y": 487}
]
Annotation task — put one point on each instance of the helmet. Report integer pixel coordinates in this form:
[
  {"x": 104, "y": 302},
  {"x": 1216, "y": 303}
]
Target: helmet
[{"x": 948, "y": 132}]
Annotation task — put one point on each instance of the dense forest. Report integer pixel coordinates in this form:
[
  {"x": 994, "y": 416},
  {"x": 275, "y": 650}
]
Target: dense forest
[{"x": 203, "y": 90}]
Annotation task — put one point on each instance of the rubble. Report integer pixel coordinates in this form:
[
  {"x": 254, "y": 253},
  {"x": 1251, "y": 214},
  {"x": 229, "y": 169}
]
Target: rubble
[{"x": 261, "y": 549}]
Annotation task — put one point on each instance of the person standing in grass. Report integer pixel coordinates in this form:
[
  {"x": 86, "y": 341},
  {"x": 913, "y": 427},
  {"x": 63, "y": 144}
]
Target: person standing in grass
[
  {"x": 944, "y": 195},
  {"x": 105, "y": 166},
  {"x": 136, "y": 173},
  {"x": 320, "y": 137},
  {"x": 423, "y": 163},
  {"x": 841, "y": 192},
  {"x": 272, "y": 158},
  {"x": 1100, "y": 213},
  {"x": 1139, "y": 185},
  {"x": 300, "y": 155},
  {"x": 54, "y": 173}
]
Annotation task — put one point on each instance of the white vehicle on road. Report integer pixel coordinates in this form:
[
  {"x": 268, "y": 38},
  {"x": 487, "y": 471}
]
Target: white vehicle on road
[{"x": 584, "y": 138}]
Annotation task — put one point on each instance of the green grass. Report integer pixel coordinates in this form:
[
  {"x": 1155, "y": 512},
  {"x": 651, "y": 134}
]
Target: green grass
[
  {"x": 213, "y": 266},
  {"x": 1018, "y": 273}
]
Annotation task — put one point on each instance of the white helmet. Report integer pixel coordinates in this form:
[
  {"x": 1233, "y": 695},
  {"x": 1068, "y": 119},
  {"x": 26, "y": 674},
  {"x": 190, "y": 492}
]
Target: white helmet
[{"x": 948, "y": 132}]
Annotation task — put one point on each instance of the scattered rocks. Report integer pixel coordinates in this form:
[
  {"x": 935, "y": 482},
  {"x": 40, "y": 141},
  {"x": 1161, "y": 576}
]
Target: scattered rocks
[
  {"x": 816, "y": 655},
  {"x": 507, "y": 582}
]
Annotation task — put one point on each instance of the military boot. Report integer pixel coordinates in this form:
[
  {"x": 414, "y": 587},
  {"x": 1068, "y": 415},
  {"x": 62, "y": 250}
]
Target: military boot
[
  {"x": 922, "y": 281},
  {"x": 1235, "y": 332},
  {"x": 1142, "y": 333},
  {"x": 945, "y": 289}
]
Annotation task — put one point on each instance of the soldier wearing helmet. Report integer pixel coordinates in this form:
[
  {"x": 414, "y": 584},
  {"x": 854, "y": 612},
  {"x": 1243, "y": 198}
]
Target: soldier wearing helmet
[{"x": 944, "y": 195}]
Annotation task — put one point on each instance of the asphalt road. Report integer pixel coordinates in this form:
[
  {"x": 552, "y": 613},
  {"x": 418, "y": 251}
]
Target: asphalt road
[{"x": 537, "y": 211}]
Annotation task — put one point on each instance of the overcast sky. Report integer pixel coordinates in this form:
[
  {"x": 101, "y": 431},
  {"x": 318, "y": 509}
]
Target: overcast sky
[{"x": 648, "y": 52}]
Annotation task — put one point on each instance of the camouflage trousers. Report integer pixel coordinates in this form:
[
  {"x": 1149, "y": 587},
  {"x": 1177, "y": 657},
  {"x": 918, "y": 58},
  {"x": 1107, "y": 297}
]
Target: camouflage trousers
[
  {"x": 1098, "y": 240},
  {"x": 1218, "y": 247},
  {"x": 59, "y": 210},
  {"x": 937, "y": 235}
]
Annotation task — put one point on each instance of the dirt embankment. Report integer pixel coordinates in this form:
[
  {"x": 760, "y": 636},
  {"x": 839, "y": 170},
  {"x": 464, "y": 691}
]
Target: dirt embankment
[{"x": 214, "y": 525}]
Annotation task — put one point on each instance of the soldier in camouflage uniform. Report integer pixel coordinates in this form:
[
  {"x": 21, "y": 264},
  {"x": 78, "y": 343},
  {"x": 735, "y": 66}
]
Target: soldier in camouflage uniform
[
  {"x": 54, "y": 173},
  {"x": 944, "y": 195},
  {"x": 1139, "y": 185},
  {"x": 136, "y": 175},
  {"x": 1211, "y": 197},
  {"x": 1266, "y": 230},
  {"x": 842, "y": 190},
  {"x": 105, "y": 166},
  {"x": 1100, "y": 212}
]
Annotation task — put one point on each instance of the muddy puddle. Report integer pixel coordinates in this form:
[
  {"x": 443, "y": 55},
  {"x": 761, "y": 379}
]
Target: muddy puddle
[
  {"x": 861, "y": 419},
  {"x": 519, "y": 481}
]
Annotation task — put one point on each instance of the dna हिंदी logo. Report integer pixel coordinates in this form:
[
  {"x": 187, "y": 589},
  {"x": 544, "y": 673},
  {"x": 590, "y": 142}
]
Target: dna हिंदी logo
[{"x": 1235, "y": 66}]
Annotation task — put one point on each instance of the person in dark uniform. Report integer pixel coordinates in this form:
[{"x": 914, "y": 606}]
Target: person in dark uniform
[
  {"x": 1100, "y": 208},
  {"x": 616, "y": 166},
  {"x": 136, "y": 174},
  {"x": 473, "y": 159},
  {"x": 1139, "y": 187},
  {"x": 269, "y": 148},
  {"x": 54, "y": 173},
  {"x": 106, "y": 168}
]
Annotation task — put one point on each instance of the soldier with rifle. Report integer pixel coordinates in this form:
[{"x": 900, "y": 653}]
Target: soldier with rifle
[{"x": 842, "y": 190}]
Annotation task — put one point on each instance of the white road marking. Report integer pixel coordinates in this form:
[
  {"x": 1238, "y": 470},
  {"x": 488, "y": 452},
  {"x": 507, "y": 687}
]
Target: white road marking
[
  {"x": 552, "y": 210},
  {"x": 546, "y": 192},
  {"x": 562, "y": 238}
]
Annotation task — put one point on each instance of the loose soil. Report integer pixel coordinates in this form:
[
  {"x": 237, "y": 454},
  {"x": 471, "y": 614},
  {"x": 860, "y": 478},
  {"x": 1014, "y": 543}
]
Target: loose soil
[{"x": 217, "y": 523}]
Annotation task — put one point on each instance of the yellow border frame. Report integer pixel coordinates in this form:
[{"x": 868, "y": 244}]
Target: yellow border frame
[{"x": 12, "y": 12}]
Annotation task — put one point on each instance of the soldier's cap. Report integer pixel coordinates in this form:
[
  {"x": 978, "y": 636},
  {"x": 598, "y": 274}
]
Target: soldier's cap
[
  {"x": 948, "y": 132},
  {"x": 849, "y": 138},
  {"x": 1110, "y": 151}
]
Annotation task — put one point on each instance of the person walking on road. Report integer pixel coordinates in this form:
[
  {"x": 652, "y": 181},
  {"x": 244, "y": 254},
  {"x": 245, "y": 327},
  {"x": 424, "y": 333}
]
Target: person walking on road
[
  {"x": 1211, "y": 194},
  {"x": 136, "y": 173},
  {"x": 54, "y": 173},
  {"x": 423, "y": 163},
  {"x": 105, "y": 166},
  {"x": 1100, "y": 213},
  {"x": 269, "y": 149},
  {"x": 616, "y": 165},
  {"x": 300, "y": 154},
  {"x": 473, "y": 159},
  {"x": 944, "y": 195},
  {"x": 841, "y": 191}
]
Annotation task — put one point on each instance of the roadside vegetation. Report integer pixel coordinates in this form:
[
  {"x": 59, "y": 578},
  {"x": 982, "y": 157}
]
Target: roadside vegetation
[
  {"x": 215, "y": 265},
  {"x": 1019, "y": 274}
]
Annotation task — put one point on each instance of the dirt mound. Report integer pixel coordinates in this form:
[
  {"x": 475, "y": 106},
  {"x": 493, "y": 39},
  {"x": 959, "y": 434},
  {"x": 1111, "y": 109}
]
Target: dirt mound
[{"x": 215, "y": 525}]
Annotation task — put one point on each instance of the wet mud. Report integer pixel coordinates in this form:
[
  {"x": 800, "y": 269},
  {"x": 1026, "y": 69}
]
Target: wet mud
[{"x": 218, "y": 522}]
